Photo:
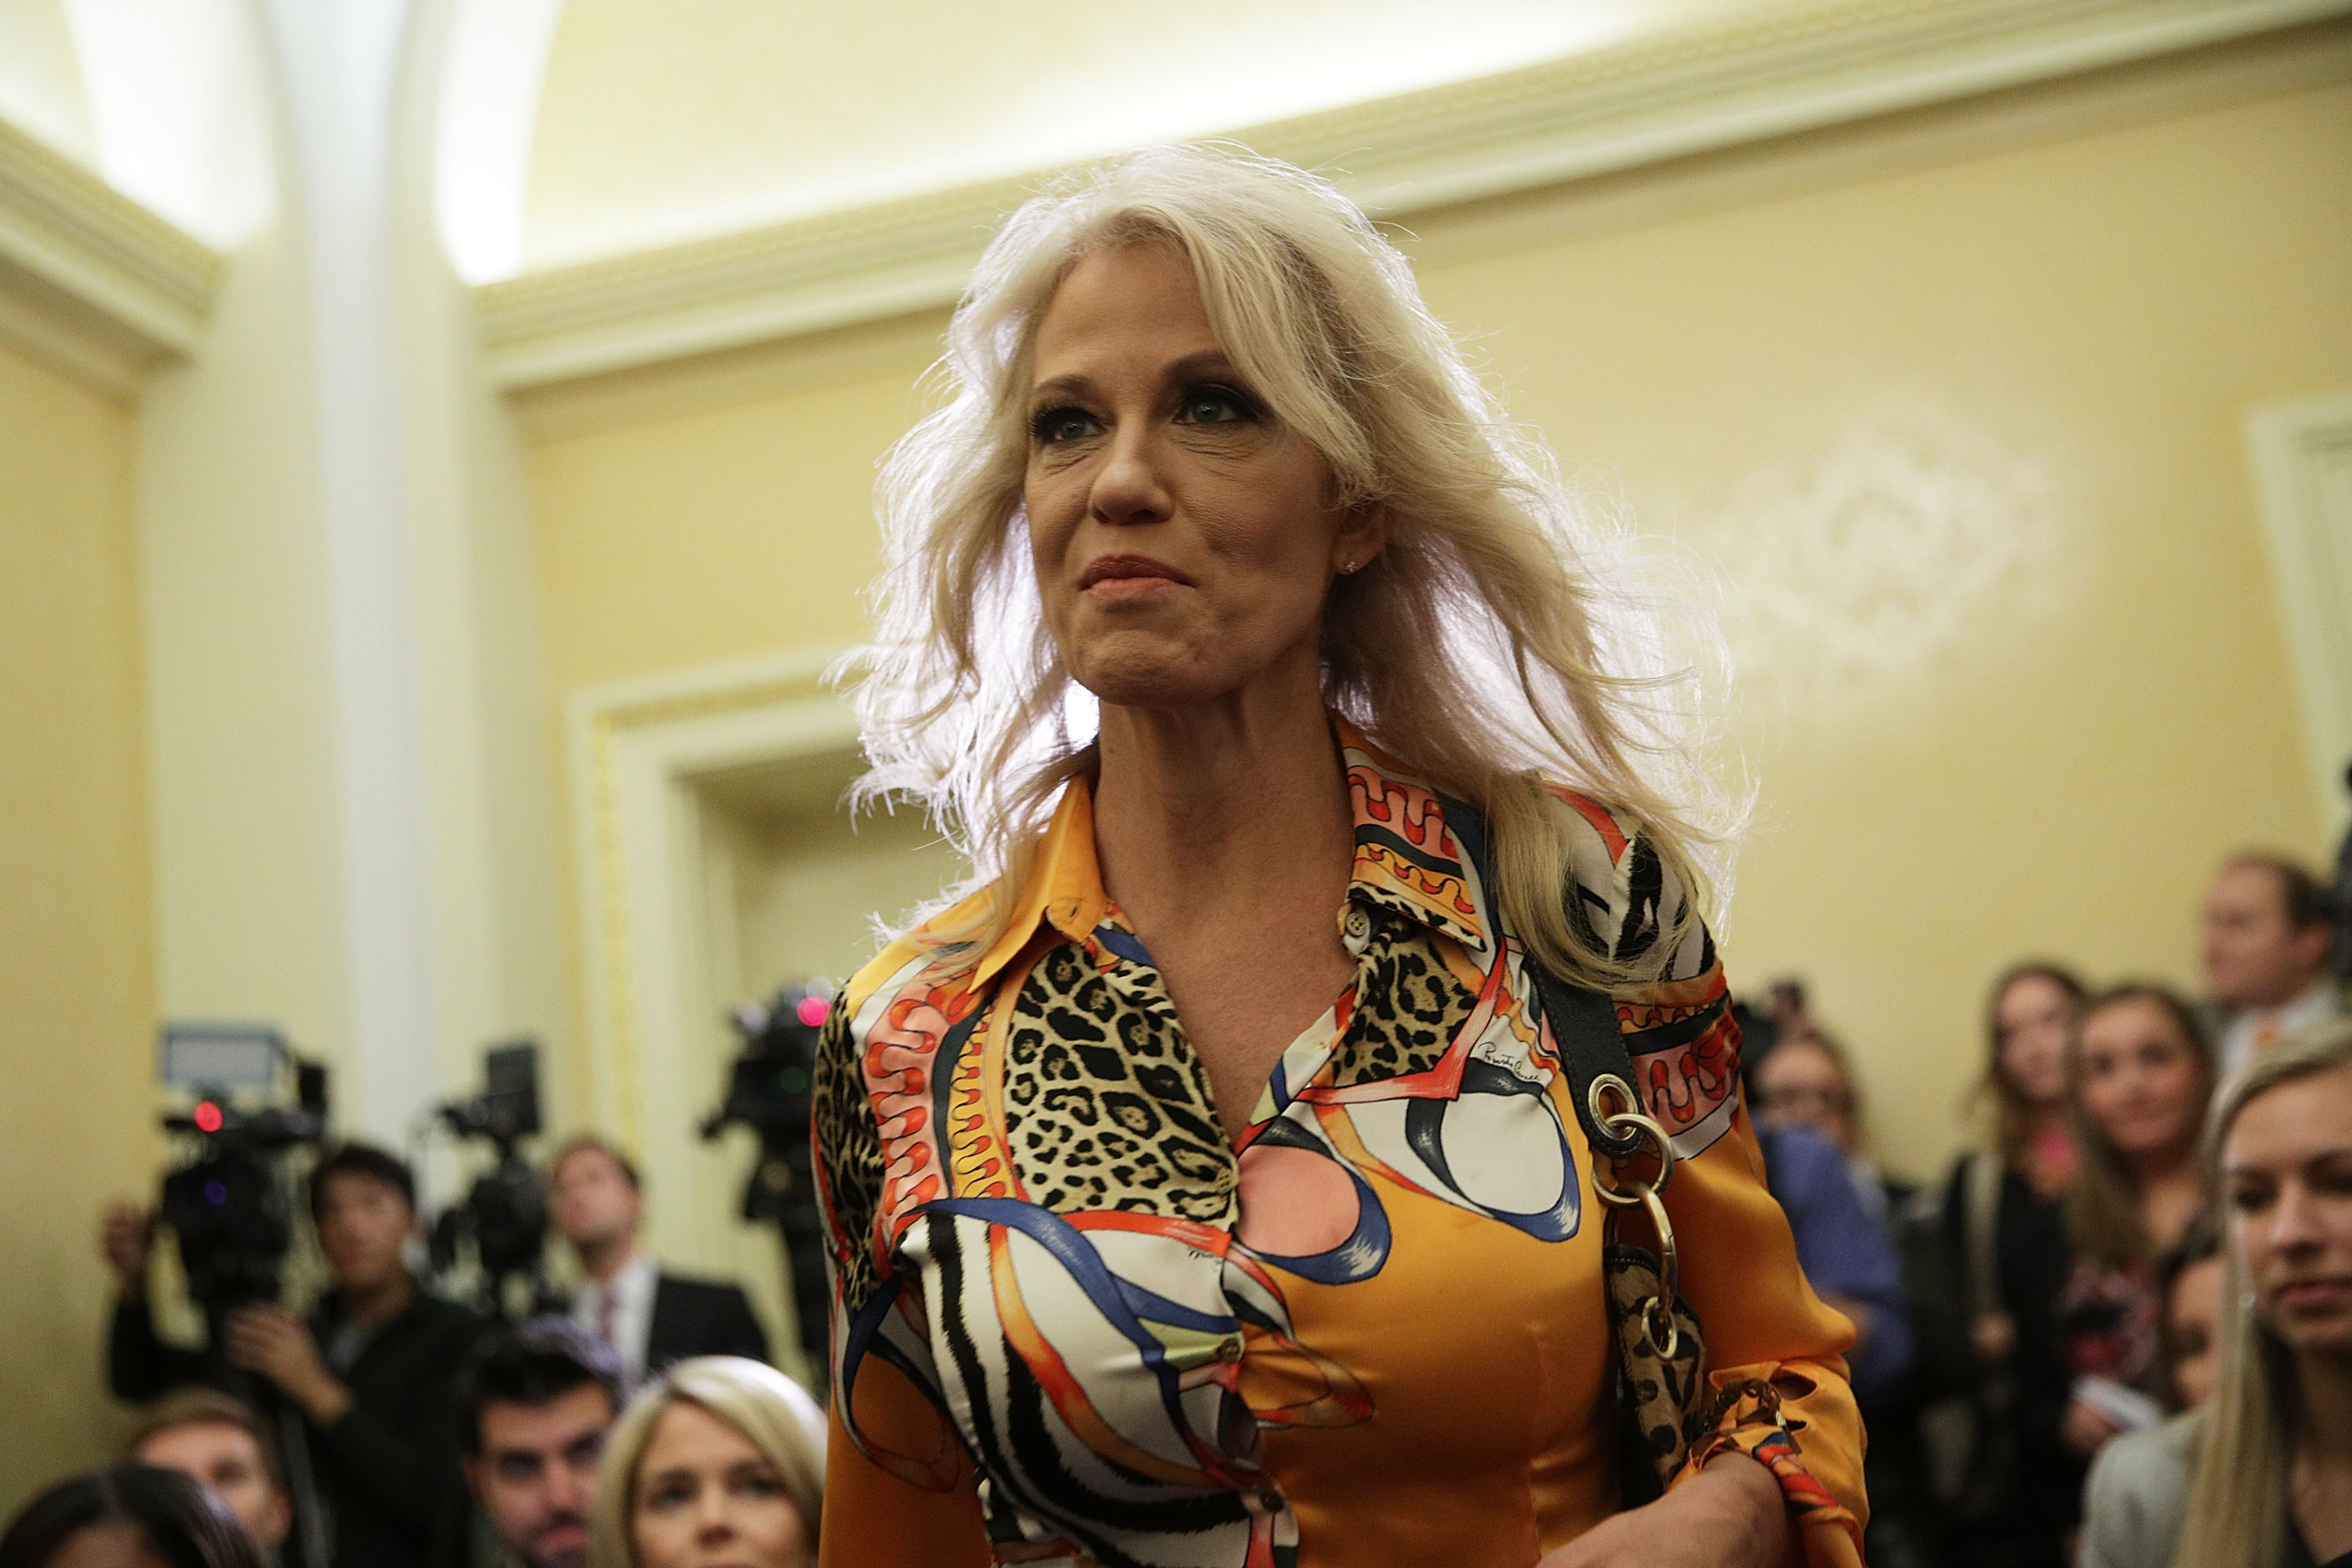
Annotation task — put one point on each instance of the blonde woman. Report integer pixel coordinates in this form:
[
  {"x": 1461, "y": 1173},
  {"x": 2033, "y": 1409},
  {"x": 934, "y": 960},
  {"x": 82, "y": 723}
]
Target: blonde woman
[
  {"x": 1204, "y": 1187},
  {"x": 718, "y": 1463},
  {"x": 2266, "y": 1466}
]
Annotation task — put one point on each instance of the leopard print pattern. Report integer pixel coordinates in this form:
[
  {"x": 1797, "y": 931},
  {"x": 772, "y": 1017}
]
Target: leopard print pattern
[
  {"x": 1423, "y": 1008},
  {"x": 1660, "y": 1395},
  {"x": 1106, "y": 1106},
  {"x": 851, "y": 1149}
]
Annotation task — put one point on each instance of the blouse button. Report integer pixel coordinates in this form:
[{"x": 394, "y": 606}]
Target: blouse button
[
  {"x": 1229, "y": 1349},
  {"x": 1358, "y": 924},
  {"x": 1270, "y": 1500}
]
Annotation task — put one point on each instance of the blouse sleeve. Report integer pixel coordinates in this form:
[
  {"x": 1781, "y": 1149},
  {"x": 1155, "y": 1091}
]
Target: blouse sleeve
[
  {"x": 899, "y": 1484},
  {"x": 1781, "y": 1392}
]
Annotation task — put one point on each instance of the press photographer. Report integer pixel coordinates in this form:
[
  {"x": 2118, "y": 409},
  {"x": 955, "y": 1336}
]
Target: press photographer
[{"x": 370, "y": 1371}]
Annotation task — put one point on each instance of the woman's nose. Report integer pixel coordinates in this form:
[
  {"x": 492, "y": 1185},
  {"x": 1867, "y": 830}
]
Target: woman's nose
[{"x": 1130, "y": 487}]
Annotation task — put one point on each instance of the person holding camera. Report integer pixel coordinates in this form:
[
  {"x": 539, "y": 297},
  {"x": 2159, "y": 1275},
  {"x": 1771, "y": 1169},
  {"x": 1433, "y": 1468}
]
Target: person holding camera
[{"x": 370, "y": 1371}]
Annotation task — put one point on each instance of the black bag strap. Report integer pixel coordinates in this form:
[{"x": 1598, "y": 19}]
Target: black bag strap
[{"x": 1583, "y": 1022}]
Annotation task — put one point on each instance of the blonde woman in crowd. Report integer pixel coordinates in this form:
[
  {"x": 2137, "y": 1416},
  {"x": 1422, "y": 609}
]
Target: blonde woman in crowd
[
  {"x": 720, "y": 1461},
  {"x": 2265, "y": 1467},
  {"x": 1206, "y": 1188}
]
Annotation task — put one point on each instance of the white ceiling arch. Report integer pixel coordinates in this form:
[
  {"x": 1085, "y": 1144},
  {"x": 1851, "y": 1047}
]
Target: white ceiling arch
[
  {"x": 576, "y": 129},
  {"x": 179, "y": 105},
  {"x": 488, "y": 120}
]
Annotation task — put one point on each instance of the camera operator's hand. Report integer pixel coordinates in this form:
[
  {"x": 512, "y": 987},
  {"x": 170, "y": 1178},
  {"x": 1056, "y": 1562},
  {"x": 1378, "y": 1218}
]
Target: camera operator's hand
[
  {"x": 125, "y": 1238},
  {"x": 277, "y": 1344}
]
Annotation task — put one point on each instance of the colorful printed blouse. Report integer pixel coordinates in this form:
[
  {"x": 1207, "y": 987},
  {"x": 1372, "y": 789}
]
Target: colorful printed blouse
[{"x": 1074, "y": 1323}]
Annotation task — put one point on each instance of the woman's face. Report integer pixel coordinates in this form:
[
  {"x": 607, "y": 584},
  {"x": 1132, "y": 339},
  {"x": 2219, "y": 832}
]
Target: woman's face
[
  {"x": 705, "y": 1497},
  {"x": 2192, "y": 1317},
  {"x": 2286, "y": 1187},
  {"x": 2141, "y": 1081},
  {"x": 2035, "y": 1019},
  {"x": 1183, "y": 540}
]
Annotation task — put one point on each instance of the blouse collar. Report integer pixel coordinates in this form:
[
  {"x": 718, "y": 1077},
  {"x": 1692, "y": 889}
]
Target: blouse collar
[{"x": 1408, "y": 861}]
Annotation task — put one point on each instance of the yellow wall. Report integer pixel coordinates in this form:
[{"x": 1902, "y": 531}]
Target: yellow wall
[
  {"x": 2043, "y": 355},
  {"x": 76, "y": 1008}
]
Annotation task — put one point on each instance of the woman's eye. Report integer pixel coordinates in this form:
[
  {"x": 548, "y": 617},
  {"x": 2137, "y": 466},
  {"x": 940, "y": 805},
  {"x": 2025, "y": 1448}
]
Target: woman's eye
[
  {"x": 758, "y": 1484},
  {"x": 1057, "y": 427},
  {"x": 1215, "y": 405}
]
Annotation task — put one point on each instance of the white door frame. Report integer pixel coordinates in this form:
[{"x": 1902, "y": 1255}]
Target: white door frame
[
  {"x": 2301, "y": 453},
  {"x": 637, "y": 751}
]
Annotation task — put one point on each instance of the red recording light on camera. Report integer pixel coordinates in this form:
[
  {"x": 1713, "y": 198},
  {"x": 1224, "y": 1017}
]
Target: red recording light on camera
[
  {"x": 812, "y": 1011},
  {"x": 207, "y": 1117}
]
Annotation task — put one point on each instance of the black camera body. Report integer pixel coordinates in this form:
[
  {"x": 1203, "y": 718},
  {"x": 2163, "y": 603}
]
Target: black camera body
[
  {"x": 503, "y": 1221},
  {"x": 228, "y": 1205},
  {"x": 770, "y": 1089}
]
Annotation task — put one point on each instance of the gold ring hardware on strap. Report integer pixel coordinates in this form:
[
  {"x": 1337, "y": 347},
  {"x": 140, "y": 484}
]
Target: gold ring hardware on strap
[{"x": 1657, "y": 1313}]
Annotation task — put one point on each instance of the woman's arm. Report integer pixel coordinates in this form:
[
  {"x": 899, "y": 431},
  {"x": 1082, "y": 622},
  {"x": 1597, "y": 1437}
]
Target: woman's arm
[
  {"x": 877, "y": 1513},
  {"x": 1728, "y": 1515},
  {"x": 1778, "y": 1382}
]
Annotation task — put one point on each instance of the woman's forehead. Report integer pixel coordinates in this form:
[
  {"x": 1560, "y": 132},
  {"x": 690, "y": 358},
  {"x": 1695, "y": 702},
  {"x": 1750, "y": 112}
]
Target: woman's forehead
[{"x": 1126, "y": 296}]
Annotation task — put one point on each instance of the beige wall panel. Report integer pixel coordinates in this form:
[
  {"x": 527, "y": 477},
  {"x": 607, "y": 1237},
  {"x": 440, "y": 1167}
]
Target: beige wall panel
[
  {"x": 1968, "y": 438},
  {"x": 76, "y": 988},
  {"x": 2078, "y": 330}
]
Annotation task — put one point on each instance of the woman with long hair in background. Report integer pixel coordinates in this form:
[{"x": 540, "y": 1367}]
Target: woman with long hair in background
[
  {"x": 1988, "y": 1279},
  {"x": 2141, "y": 1078},
  {"x": 2265, "y": 1467}
]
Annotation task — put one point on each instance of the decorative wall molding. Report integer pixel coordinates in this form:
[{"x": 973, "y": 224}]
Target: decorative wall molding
[
  {"x": 2302, "y": 454},
  {"x": 1648, "y": 102},
  {"x": 638, "y": 751},
  {"x": 92, "y": 282}
]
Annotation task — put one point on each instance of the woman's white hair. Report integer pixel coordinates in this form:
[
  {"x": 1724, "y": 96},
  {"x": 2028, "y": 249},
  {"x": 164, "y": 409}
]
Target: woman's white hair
[
  {"x": 775, "y": 1413},
  {"x": 1491, "y": 646}
]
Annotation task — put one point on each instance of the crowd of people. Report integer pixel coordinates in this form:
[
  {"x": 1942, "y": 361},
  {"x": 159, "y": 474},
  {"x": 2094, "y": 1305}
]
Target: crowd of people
[
  {"x": 2038, "y": 1331},
  {"x": 1334, "y": 1273},
  {"x": 2041, "y": 1335},
  {"x": 641, "y": 1427}
]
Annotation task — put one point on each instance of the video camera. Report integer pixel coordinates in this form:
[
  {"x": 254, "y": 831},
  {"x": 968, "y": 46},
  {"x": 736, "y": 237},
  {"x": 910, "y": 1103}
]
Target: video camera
[
  {"x": 503, "y": 1221},
  {"x": 228, "y": 1205},
  {"x": 769, "y": 1091}
]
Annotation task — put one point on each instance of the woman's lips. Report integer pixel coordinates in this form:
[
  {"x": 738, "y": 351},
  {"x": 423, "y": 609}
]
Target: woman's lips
[
  {"x": 2303, "y": 1295},
  {"x": 1127, "y": 576}
]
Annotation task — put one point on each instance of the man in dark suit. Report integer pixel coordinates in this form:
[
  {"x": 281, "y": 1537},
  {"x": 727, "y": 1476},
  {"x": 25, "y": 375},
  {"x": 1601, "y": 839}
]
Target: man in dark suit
[{"x": 649, "y": 1317}]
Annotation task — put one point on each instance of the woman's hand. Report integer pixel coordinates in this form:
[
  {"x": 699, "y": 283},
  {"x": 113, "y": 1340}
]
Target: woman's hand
[
  {"x": 2085, "y": 1428},
  {"x": 1729, "y": 1515}
]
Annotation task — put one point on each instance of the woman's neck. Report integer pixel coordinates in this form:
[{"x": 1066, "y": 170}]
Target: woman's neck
[
  {"x": 1201, "y": 806},
  {"x": 2327, "y": 1400},
  {"x": 2170, "y": 1195}
]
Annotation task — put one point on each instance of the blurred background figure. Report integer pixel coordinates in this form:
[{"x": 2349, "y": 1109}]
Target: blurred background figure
[
  {"x": 2142, "y": 1077},
  {"x": 2270, "y": 933},
  {"x": 370, "y": 1371},
  {"x": 650, "y": 1317},
  {"x": 533, "y": 1408},
  {"x": 132, "y": 1516},
  {"x": 2259, "y": 1475},
  {"x": 1843, "y": 1215},
  {"x": 223, "y": 1445},
  {"x": 719, "y": 1459},
  {"x": 1987, "y": 1279}
]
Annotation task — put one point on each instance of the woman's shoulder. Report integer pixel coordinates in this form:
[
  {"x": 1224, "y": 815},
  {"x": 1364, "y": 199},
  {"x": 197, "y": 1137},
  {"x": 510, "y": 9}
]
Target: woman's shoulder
[
  {"x": 933, "y": 952},
  {"x": 1625, "y": 888},
  {"x": 2136, "y": 1493}
]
